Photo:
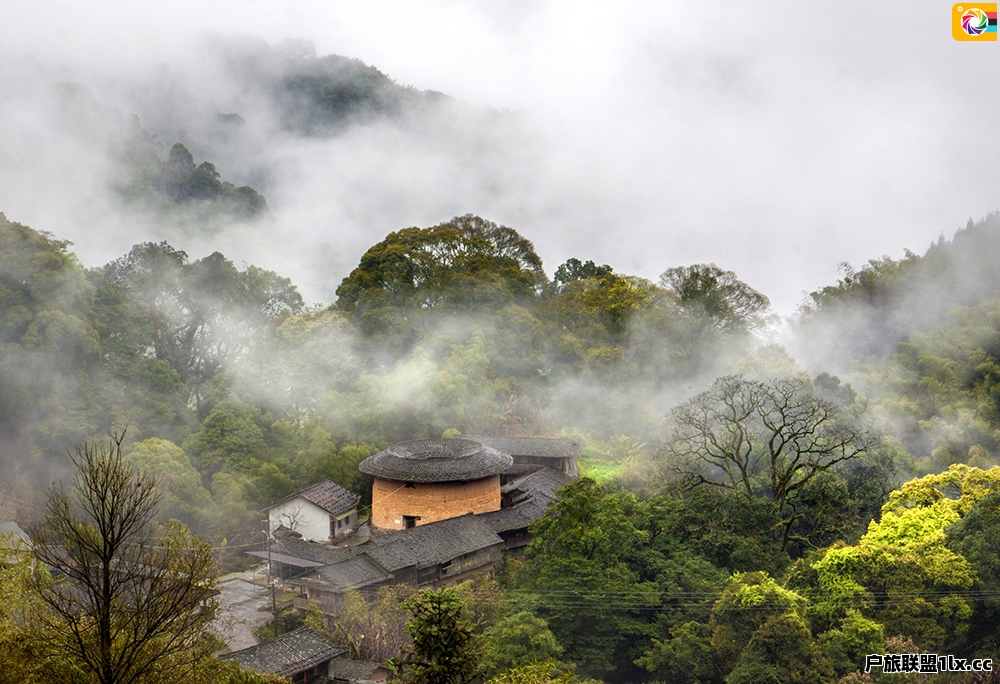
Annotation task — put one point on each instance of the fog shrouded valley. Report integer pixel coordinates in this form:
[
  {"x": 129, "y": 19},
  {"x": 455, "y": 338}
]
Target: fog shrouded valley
[{"x": 734, "y": 269}]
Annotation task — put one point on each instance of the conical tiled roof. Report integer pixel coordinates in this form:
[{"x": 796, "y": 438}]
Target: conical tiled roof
[{"x": 436, "y": 460}]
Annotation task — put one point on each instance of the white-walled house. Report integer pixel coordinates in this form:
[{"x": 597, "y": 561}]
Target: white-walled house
[{"x": 321, "y": 512}]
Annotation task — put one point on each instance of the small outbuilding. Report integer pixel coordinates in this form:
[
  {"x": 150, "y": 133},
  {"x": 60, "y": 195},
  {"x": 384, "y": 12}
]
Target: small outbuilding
[
  {"x": 321, "y": 512},
  {"x": 534, "y": 453},
  {"x": 302, "y": 655},
  {"x": 427, "y": 480}
]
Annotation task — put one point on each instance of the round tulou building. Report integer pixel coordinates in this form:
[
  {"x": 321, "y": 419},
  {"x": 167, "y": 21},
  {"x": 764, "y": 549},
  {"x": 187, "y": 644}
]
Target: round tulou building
[{"x": 426, "y": 480}]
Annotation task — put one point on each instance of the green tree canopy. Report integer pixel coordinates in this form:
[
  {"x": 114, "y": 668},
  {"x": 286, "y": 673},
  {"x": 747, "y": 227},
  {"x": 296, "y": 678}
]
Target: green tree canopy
[
  {"x": 444, "y": 644},
  {"x": 705, "y": 290},
  {"x": 49, "y": 346},
  {"x": 975, "y": 537},
  {"x": 518, "y": 639},
  {"x": 583, "y": 572},
  {"x": 178, "y": 183},
  {"x": 183, "y": 497},
  {"x": 230, "y": 435},
  {"x": 903, "y": 573},
  {"x": 461, "y": 265},
  {"x": 204, "y": 315},
  {"x": 574, "y": 269}
]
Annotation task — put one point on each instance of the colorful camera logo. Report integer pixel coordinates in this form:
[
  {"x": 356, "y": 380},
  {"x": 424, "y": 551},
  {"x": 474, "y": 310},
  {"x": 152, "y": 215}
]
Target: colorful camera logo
[{"x": 974, "y": 21}]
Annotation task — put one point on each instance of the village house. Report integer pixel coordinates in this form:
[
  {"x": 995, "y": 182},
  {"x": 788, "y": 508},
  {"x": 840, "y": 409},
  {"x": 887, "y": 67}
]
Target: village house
[
  {"x": 302, "y": 655},
  {"x": 426, "y": 480},
  {"x": 524, "y": 500},
  {"x": 13, "y": 538},
  {"x": 322, "y": 512},
  {"x": 439, "y": 514},
  {"x": 442, "y": 553},
  {"x": 439, "y": 554},
  {"x": 293, "y": 557}
]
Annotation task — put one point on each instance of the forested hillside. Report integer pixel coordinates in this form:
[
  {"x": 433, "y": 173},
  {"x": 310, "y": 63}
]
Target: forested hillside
[
  {"x": 728, "y": 476},
  {"x": 237, "y": 267},
  {"x": 873, "y": 308},
  {"x": 452, "y": 328},
  {"x": 751, "y": 511},
  {"x": 315, "y": 95}
]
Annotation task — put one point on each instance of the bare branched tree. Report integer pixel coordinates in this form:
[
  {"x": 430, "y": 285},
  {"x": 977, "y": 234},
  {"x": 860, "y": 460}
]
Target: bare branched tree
[
  {"x": 292, "y": 518},
  {"x": 375, "y": 629},
  {"x": 128, "y": 600},
  {"x": 762, "y": 438}
]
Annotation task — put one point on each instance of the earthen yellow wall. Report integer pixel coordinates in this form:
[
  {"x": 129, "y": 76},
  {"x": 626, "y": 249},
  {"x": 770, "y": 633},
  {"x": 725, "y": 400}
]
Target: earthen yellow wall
[{"x": 431, "y": 502}]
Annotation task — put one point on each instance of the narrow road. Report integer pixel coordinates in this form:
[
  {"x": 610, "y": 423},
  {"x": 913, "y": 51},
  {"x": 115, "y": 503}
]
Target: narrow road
[{"x": 242, "y": 606}]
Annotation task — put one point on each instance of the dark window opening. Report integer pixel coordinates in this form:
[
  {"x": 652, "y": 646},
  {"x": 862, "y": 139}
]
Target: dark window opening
[
  {"x": 410, "y": 485},
  {"x": 410, "y": 521}
]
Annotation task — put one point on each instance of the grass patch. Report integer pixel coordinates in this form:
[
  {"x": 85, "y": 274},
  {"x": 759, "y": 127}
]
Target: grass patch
[{"x": 598, "y": 469}]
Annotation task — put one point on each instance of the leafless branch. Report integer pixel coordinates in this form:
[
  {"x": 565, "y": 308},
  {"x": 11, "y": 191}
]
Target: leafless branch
[{"x": 128, "y": 600}]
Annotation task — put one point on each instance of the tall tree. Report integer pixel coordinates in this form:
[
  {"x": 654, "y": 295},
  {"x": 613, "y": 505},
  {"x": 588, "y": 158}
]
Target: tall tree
[
  {"x": 443, "y": 650},
  {"x": 768, "y": 438},
  {"x": 583, "y": 571},
  {"x": 466, "y": 264},
  {"x": 573, "y": 269},
  {"x": 709, "y": 291},
  {"x": 205, "y": 315},
  {"x": 518, "y": 639},
  {"x": 128, "y": 601}
]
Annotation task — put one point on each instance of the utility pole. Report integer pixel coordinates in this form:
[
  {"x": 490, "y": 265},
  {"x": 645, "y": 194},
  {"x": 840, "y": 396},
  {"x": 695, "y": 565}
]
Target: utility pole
[{"x": 270, "y": 584}]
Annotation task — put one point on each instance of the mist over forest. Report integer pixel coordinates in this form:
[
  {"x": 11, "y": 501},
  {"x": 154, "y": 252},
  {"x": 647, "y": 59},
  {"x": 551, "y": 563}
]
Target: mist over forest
[{"x": 184, "y": 278}]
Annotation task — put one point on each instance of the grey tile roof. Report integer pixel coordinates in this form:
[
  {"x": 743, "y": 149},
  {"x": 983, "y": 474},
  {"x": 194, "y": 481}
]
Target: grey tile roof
[
  {"x": 282, "y": 558},
  {"x": 532, "y": 494},
  {"x": 431, "y": 544},
  {"x": 311, "y": 551},
  {"x": 289, "y": 653},
  {"x": 550, "y": 447},
  {"x": 359, "y": 571},
  {"x": 506, "y": 519},
  {"x": 533, "y": 506},
  {"x": 545, "y": 482},
  {"x": 352, "y": 670},
  {"x": 328, "y": 495},
  {"x": 436, "y": 460}
]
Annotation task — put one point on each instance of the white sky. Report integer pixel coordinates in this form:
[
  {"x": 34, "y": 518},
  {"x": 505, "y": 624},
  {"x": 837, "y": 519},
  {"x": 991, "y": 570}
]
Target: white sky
[{"x": 775, "y": 139}]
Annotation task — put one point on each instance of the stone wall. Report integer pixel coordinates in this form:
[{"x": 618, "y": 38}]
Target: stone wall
[{"x": 430, "y": 502}]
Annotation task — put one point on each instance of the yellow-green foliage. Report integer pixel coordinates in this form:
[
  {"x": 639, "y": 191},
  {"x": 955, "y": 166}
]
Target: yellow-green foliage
[
  {"x": 178, "y": 482},
  {"x": 546, "y": 672},
  {"x": 749, "y": 600},
  {"x": 902, "y": 573}
]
